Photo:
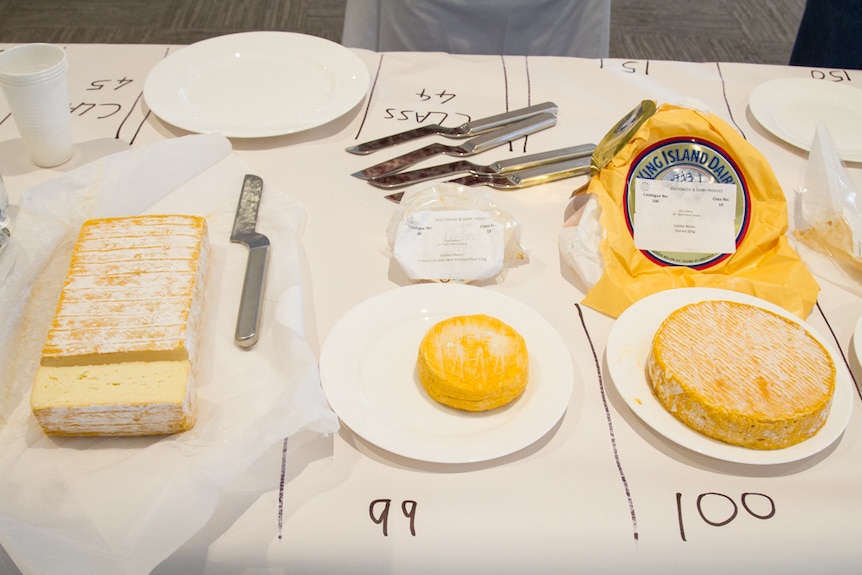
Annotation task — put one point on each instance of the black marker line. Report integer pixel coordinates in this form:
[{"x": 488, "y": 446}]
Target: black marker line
[
  {"x": 610, "y": 423},
  {"x": 506, "y": 90},
  {"x": 529, "y": 96},
  {"x": 840, "y": 350},
  {"x": 128, "y": 115},
  {"x": 726, "y": 101},
  {"x": 679, "y": 516},
  {"x": 370, "y": 96},
  {"x": 140, "y": 127},
  {"x": 281, "y": 488},
  {"x": 146, "y": 116}
]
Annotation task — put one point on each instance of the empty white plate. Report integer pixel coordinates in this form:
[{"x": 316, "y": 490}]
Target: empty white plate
[
  {"x": 790, "y": 108},
  {"x": 256, "y": 84}
]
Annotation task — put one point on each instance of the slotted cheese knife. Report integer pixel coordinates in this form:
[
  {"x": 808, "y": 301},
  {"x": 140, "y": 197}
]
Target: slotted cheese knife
[
  {"x": 501, "y": 167},
  {"x": 472, "y": 146},
  {"x": 472, "y": 128}
]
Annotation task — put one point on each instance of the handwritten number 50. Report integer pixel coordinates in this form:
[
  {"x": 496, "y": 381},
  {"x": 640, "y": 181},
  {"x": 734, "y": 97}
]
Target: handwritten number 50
[{"x": 379, "y": 513}]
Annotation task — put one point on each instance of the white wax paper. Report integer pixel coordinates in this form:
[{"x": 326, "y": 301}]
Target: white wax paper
[{"x": 122, "y": 505}]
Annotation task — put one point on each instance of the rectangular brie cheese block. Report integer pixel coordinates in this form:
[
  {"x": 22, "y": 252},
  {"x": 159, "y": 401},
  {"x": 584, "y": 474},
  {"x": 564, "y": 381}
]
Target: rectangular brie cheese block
[{"x": 119, "y": 356}]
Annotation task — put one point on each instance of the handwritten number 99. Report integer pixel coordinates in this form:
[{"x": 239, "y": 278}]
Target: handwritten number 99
[{"x": 379, "y": 513}]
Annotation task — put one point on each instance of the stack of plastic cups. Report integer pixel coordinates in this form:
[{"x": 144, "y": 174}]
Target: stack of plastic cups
[{"x": 34, "y": 80}]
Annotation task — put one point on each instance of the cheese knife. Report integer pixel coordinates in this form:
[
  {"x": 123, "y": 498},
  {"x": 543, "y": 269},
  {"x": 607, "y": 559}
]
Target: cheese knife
[
  {"x": 243, "y": 232},
  {"x": 472, "y": 128},
  {"x": 617, "y": 138},
  {"x": 401, "y": 179},
  {"x": 472, "y": 146},
  {"x": 520, "y": 178}
]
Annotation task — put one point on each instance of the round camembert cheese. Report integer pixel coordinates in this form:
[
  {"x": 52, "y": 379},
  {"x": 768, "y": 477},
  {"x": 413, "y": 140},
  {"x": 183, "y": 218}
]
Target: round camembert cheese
[
  {"x": 741, "y": 374},
  {"x": 473, "y": 362}
]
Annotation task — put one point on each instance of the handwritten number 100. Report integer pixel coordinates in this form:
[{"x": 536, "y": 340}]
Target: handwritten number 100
[
  {"x": 379, "y": 512},
  {"x": 725, "y": 519}
]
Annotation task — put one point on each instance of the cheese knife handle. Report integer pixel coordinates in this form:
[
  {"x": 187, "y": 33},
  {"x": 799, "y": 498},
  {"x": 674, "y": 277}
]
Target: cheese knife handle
[
  {"x": 485, "y": 124},
  {"x": 248, "y": 318},
  {"x": 506, "y": 134}
]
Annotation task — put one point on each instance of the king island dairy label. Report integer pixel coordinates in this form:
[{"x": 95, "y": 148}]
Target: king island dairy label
[
  {"x": 450, "y": 245},
  {"x": 686, "y": 203}
]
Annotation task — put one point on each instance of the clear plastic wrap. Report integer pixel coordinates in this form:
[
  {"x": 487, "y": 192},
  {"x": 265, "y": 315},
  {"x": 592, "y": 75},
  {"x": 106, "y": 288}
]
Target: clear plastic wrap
[
  {"x": 454, "y": 233},
  {"x": 828, "y": 218}
]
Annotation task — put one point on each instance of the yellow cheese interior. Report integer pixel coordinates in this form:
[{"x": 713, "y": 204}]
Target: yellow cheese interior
[
  {"x": 128, "y": 383},
  {"x": 473, "y": 362},
  {"x": 742, "y": 374}
]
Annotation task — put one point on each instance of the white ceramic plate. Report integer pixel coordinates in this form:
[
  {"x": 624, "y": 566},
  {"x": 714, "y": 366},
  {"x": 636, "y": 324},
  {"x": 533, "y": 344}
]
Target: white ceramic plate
[
  {"x": 627, "y": 352},
  {"x": 790, "y": 108},
  {"x": 368, "y": 372},
  {"x": 256, "y": 84}
]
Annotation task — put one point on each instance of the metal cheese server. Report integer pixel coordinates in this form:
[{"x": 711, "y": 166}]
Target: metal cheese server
[
  {"x": 472, "y": 128},
  {"x": 472, "y": 146},
  {"x": 520, "y": 178},
  {"x": 248, "y": 318},
  {"x": 616, "y": 139},
  {"x": 401, "y": 179}
]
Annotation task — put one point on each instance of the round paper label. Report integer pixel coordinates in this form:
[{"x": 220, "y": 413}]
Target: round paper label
[{"x": 695, "y": 160}]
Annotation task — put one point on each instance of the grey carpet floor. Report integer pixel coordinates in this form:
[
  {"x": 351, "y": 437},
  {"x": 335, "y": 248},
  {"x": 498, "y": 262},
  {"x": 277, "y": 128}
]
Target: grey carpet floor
[{"x": 757, "y": 31}]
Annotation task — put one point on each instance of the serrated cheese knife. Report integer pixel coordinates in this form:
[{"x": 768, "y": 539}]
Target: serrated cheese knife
[
  {"x": 472, "y": 128},
  {"x": 472, "y": 146},
  {"x": 248, "y": 318}
]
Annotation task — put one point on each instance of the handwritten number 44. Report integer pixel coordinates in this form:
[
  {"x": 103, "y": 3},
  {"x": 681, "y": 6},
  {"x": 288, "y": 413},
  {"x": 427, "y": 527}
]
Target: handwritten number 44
[
  {"x": 379, "y": 513},
  {"x": 443, "y": 95}
]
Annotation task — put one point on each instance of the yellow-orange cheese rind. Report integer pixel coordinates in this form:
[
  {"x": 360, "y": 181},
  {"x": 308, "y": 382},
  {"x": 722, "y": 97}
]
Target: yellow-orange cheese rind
[
  {"x": 120, "y": 356},
  {"x": 473, "y": 362},
  {"x": 741, "y": 374}
]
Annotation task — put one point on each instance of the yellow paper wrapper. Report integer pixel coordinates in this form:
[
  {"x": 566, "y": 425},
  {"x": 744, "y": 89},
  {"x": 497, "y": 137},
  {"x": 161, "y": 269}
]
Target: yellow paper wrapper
[{"x": 677, "y": 142}]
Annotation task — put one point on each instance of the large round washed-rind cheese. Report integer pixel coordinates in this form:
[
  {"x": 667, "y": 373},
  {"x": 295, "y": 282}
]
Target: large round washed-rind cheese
[
  {"x": 473, "y": 362},
  {"x": 741, "y": 374},
  {"x": 119, "y": 358}
]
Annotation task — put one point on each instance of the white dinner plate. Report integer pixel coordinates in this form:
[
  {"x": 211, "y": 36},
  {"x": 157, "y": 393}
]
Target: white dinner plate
[
  {"x": 368, "y": 372},
  {"x": 790, "y": 108},
  {"x": 256, "y": 84},
  {"x": 627, "y": 352}
]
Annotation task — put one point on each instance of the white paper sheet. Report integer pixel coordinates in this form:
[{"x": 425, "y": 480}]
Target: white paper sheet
[{"x": 122, "y": 505}]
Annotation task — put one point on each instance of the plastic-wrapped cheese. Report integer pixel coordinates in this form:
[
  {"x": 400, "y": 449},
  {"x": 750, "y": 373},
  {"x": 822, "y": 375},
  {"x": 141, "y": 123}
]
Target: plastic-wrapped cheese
[
  {"x": 119, "y": 357},
  {"x": 742, "y": 374},
  {"x": 679, "y": 145}
]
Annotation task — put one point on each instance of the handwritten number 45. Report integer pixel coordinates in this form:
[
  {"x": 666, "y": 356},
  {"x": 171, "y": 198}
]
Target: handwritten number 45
[
  {"x": 102, "y": 84},
  {"x": 379, "y": 513}
]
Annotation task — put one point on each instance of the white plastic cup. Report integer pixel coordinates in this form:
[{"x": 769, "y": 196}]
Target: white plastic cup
[{"x": 34, "y": 80}]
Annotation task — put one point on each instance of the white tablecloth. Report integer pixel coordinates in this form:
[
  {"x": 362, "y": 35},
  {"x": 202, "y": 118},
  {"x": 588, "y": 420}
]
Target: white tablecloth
[{"x": 599, "y": 493}]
